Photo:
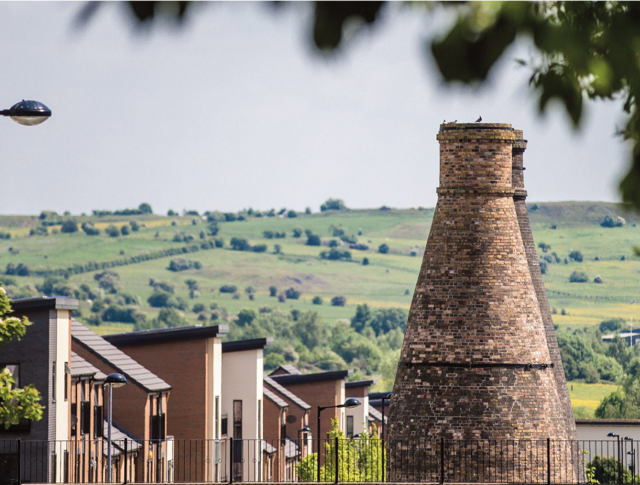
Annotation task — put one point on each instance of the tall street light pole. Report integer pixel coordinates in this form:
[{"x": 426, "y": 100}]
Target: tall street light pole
[
  {"x": 349, "y": 404},
  {"x": 385, "y": 397},
  {"x": 614, "y": 435},
  {"x": 113, "y": 381},
  {"x": 28, "y": 113},
  {"x": 633, "y": 460}
]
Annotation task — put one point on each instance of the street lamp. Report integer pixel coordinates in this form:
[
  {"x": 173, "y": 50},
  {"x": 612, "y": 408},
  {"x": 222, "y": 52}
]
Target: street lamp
[
  {"x": 113, "y": 381},
  {"x": 614, "y": 435},
  {"x": 27, "y": 113},
  {"x": 349, "y": 404},
  {"x": 632, "y": 467},
  {"x": 385, "y": 397}
]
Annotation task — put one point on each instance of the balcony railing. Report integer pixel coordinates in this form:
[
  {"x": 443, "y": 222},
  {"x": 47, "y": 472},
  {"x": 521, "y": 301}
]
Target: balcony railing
[{"x": 325, "y": 460}]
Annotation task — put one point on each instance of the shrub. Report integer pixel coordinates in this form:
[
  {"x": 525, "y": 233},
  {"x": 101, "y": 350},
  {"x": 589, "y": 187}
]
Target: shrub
[
  {"x": 360, "y": 246},
  {"x": 213, "y": 228},
  {"x": 313, "y": 240},
  {"x": 260, "y": 248},
  {"x": 38, "y": 231},
  {"x": 162, "y": 299},
  {"x": 543, "y": 267},
  {"x": 273, "y": 291},
  {"x": 179, "y": 264},
  {"x": 333, "y": 243},
  {"x": 230, "y": 217},
  {"x": 145, "y": 208},
  {"x": 349, "y": 239},
  {"x": 228, "y": 289},
  {"x": 612, "y": 325},
  {"x": 291, "y": 214},
  {"x": 317, "y": 300},
  {"x": 240, "y": 244},
  {"x": 282, "y": 298},
  {"x": 576, "y": 256},
  {"x": 116, "y": 313},
  {"x": 609, "y": 221},
  {"x": 280, "y": 235},
  {"x": 292, "y": 293},
  {"x": 219, "y": 242},
  {"x": 365, "y": 261},
  {"x": 383, "y": 249},
  {"x": 277, "y": 249},
  {"x": 333, "y": 205},
  {"x": 297, "y": 232},
  {"x": 578, "y": 277},
  {"x": 338, "y": 301},
  {"x": 20, "y": 270},
  {"x": 89, "y": 229},
  {"x": 108, "y": 280},
  {"x": 191, "y": 213},
  {"x": 544, "y": 247},
  {"x": 245, "y": 317},
  {"x": 69, "y": 226},
  {"x": 335, "y": 254},
  {"x": 197, "y": 308},
  {"x": 124, "y": 230},
  {"x": 267, "y": 234},
  {"x": 112, "y": 231},
  {"x": 598, "y": 279}
]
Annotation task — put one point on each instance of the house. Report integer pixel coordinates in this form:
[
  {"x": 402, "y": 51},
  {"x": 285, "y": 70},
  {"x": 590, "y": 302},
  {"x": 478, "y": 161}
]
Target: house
[
  {"x": 242, "y": 405},
  {"x": 357, "y": 418},
  {"x": 189, "y": 359},
  {"x": 41, "y": 358},
  {"x": 140, "y": 407},
  {"x": 377, "y": 410},
  {"x": 320, "y": 389}
]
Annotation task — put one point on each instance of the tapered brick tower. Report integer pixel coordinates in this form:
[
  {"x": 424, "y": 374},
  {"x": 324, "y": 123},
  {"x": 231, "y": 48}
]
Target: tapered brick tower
[
  {"x": 475, "y": 363},
  {"x": 519, "y": 199}
]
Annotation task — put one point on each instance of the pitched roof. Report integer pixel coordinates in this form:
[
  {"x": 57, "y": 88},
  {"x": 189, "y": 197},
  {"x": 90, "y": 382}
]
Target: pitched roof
[
  {"x": 117, "y": 359},
  {"x": 374, "y": 413},
  {"x": 174, "y": 334},
  {"x": 285, "y": 392},
  {"x": 275, "y": 399},
  {"x": 290, "y": 448},
  {"x": 80, "y": 367},
  {"x": 44, "y": 303},
  {"x": 118, "y": 435},
  {"x": 289, "y": 369},
  {"x": 349, "y": 384}
]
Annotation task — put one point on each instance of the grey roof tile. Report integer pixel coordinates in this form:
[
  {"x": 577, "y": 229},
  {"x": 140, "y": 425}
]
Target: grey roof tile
[
  {"x": 285, "y": 392},
  {"x": 274, "y": 398},
  {"x": 131, "y": 369},
  {"x": 80, "y": 367}
]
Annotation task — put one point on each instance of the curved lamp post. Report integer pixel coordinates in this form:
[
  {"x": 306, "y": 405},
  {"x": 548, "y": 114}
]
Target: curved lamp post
[
  {"x": 632, "y": 453},
  {"x": 349, "y": 404},
  {"x": 617, "y": 437},
  {"x": 113, "y": 381},
  {"x": 28, "y": 113}
]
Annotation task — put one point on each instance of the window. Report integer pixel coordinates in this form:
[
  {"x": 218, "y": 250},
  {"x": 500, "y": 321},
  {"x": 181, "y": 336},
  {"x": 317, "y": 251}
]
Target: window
[
  {"x": 237, "y": 444},
  {"x": 237, "y": 420},
  {"x": 216, "y": 418},
  {"x": 98, "y": 422},
  {"x": 259, "y": 419},
  {"x": 85, "y": 417},
  {"x": 349, "y": 426},
  {"x": 67, "y": 373},
  {"x": 224, "y": 425}
]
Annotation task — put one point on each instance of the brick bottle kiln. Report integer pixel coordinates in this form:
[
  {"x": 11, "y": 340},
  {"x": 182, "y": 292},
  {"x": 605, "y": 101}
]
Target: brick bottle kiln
[{"x": 476, "y": 362}]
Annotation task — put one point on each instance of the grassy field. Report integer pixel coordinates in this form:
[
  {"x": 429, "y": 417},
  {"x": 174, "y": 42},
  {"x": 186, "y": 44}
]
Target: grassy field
[{"x": 588, "y": 396}]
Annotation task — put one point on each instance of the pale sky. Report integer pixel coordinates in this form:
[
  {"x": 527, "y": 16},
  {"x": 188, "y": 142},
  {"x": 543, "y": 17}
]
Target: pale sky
[{"x": 237, "y": 110}]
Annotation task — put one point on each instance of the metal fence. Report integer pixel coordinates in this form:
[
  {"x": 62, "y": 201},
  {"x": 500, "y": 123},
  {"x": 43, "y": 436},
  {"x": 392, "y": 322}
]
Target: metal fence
[{"x": 338, "y": 461}]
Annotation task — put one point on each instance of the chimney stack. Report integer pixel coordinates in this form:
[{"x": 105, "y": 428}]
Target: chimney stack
[{"x": 475, "y": 363}]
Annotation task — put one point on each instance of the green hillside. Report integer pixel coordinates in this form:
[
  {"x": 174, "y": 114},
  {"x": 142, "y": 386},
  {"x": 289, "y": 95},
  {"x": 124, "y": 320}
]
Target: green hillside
[{"x": 68, "y": 263}]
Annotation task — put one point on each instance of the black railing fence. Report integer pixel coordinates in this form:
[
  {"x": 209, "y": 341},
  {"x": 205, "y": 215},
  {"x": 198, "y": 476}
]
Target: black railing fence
[{"x": 338, "y": 460}]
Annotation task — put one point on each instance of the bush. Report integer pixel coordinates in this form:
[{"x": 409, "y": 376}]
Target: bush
[
  {"x": 124, "y": 230},
  {"x": 219, "y": 242},
  {"x": 576, "y": 256},
  {"x": 228, "y": 289},
  {"x": 116, "y": 313},
  {"x": 273, "y": 291},
  {"x": 544, "y": 247},
  {"x": 338, "y": 301},
  {"x": 89, "y": 229},
  {"x": 292, "y": 293},
  {"x": 612, "y": 325},
  {"x": 543, "y": 267},
  {"x": 108, "y": 280},
  {"x": 609, "y": 221},
  {"x": 240, "y": 244},
  {"x": 112, "y": 231},
  {"x": 578, "y": 277},
  {"x": 38, "y": 231},
  {"x": 213, "y": 228},
  {"x": 69, "y": 226},
  {"x": 297, "y": 232},
  {"x": 260, "y": 248},
  {"x": 230, "y": 217},
  {"x": 383, "y": 249},
  {"x": 291, "y": 214},
  {"x": 333, "y": 205},
  {"x": 145, "y": 208},
  {"x": 245, "y": 317},
  {"x": 313, "y": 240},
  {"x": 198, "y": 307},
  {"x": 277, "y": 249},
  {"x": 317, "y": 300},
  {"x": 598, "y": 279},
  {"x": 335, "y": 255},
  {"x": 267, "y": 234},
  {"x": 179, "y": 264},
  {"x": 273, "y": 361},
  {"x": 365, "y": 261},
  {"x": 162, "y": 299}
]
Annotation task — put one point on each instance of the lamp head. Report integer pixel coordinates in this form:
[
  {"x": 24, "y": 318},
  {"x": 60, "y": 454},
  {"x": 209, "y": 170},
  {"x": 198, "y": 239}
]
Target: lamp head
[
  {"x": 29, "y": 112},
  {"x": 115, "y": 380},
  {"x": 351, "y": 403},
  {"x": 387, "y": 396},
  {"x": 306, "y": 429},
  {"x": 612, "y": 435},
  {"x": 628, "y": 438},
  {"x": 356, "y": 436}
]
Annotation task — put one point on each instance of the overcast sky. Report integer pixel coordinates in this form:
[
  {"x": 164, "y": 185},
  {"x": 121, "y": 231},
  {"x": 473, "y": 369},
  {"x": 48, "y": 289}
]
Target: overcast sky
[{"x": 236, "y": 110}]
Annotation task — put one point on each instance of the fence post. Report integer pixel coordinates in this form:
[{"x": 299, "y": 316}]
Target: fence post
[
  {"x": 19, "y": 462},
  {"x": 126, "y": 459},
  {"x": 337, "y": 469},
  {"x": 441, "y": 460},
  {"x": 549, "y": 460},
  {"x": 231, "y": 468}
]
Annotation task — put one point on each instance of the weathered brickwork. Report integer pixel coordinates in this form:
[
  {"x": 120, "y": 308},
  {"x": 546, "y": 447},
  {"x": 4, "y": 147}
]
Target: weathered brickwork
[
  {"x": 519, "y": 199},
  {"x": 475, "y": 304}
]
